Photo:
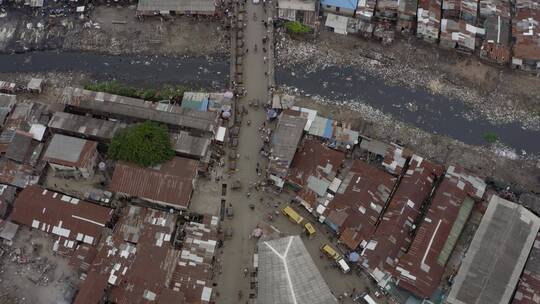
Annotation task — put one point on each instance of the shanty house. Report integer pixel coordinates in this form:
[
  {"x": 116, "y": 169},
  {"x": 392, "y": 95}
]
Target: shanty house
[
  {"x": 339, "y": 7},
  {"x": 190, "y": 146},
  {"x": 84, "y": 102},
  {"x": 313, "y": 170},
  {"x": 179, "y": 7},
  {"x": 169, "y": 184},
  {"x": 7, "y": 102},
  {"x": 526, "y": 35},
  {"x": 7, "y": 196},
  {"x": 303, "y": 11},
  {"x": 458, "y": 26},
  {"x": 392, "y": 237},
  {"x": 406, "y": 22},
  {"x": 70, "y": 219},
  {"x": 84, "y": 126},
  {"x": 365, "y": 13},
  {"x": 428, "y": 20},
  {"x": 285, "y": 140},
  {"x": 136, "y": 262},
  {"x": 496, "y": 45},
  {"x": 421, "y": 269},
  {"x": 354, "y": 211},
  {"x": 71, "y": 156}
]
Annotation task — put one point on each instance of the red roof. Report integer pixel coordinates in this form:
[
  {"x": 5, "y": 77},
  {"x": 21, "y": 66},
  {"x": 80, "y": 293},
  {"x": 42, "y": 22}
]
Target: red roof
[
  {"x": 528, "y": 290},
  {"x": 136, "y": 262},
  {"x": 359, "y": 205},
  {"x": 393, "y": 234},
  {"x": 170, "y": 184},
  {"x": 419, "y": 271},
  {"x": 61, "y": 215},
  {"x": 314, "y": 158}
]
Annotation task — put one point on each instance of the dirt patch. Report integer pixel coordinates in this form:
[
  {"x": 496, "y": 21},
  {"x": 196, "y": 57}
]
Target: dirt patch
[
  {"x": 32, "y": 273},
  {"x": 115, "y": 30}
]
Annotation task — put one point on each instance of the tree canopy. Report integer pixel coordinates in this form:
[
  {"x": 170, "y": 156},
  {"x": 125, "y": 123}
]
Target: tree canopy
[
  {"x": 295, "y": 27},
  {"x": 145, "y": 144}
]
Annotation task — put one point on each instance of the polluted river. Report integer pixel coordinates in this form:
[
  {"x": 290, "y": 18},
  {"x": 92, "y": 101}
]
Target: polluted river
[{"x": 432, "y": 113}]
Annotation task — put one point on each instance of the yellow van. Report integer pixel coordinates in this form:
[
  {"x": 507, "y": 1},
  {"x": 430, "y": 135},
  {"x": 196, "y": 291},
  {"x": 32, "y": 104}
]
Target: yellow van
[
  {"x": 310, "y": 230},
  {"x": 330, "y": 252},
  {"x": 292, "y": 215}
]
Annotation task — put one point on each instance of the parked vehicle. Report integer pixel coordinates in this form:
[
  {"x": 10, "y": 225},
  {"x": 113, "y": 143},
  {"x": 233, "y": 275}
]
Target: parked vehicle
[
  {"x": 292, "y": 215},
  {"x": 309, "y": 229},
  {"x": 363, "y": 298},
  {"x": 336, "y": 256}
]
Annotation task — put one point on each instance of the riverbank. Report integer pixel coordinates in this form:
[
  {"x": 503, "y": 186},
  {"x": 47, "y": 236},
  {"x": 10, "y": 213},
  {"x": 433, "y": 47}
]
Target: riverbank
[
  {"x": 496, "y": 163},
  {"x": 505, "y": 166},
  {"x": 497, "y": 94},
  {"x": 112, "y": 30}
]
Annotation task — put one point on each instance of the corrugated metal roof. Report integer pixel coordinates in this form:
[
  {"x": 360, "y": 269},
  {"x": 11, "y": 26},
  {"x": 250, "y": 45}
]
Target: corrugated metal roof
[
  {"x": 180, "y": 6},
  {"x": 496, "y": 256},
  {"x": 136, "y": 262},
  {"x": 359, "y": 201},
  {"x": 109, "y": 104},
  {"x": 285, "y": 140},
  {"x": 393, "y": 235},
  {"x": 170, "y": 184},
  {"x": 62, "y": 215},
  {"x": 191, "y": 146},
  {"x": 70, "y": 151},
  {"x": 420, "y": 270},
  {"x": 85, "y": 126}
]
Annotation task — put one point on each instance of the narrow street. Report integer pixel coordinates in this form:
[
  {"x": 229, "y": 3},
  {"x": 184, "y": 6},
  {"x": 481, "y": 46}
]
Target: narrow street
[
  {"x": 237, "y": 252},
  {"x": 234, "y": 286}
]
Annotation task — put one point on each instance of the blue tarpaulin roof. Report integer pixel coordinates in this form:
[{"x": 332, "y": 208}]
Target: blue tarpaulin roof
[
  {"x": 348, "y": 4},
  {"x": 328, "y": 129}
]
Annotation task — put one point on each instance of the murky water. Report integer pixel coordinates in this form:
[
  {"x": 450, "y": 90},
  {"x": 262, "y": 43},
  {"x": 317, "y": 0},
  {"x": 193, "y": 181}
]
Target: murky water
[{"x": 420, "y": 108}]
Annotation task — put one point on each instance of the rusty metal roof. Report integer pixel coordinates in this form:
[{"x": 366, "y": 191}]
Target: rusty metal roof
[
  {"x": 526, "y": 30},
  {"x": 170, "y": 184},
  {"x": 395, "y": 160},
  {"x": 18, "y": 175},
  {"x": 193, "y": 274},
  {"x": 394, "y": 232},
  {"x": 429, "y": 20},
  {"x": 69, "y": 218},
  {"x": 359, "y": 202},
  {"x": 420, "y": 270},
  {"x": 528, "y": 290},
  {"x": 314, "y": 160},
  {"x": 136, "y": 262}
]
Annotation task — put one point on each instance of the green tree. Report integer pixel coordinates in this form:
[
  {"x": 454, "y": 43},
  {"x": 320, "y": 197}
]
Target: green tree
[
  {"x": 295, "y": 27},
  {"x": 145, "y": 144}
]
